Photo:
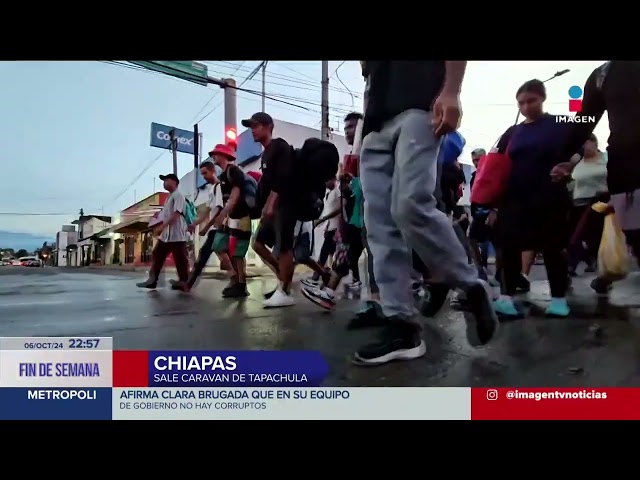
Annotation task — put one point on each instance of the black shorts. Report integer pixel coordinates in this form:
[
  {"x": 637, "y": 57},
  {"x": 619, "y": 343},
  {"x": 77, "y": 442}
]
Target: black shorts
[{"x": 279, "y": 234}]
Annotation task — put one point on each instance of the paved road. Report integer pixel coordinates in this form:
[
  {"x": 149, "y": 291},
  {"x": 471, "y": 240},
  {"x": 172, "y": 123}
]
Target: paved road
[{"x": 531, "y": 352}]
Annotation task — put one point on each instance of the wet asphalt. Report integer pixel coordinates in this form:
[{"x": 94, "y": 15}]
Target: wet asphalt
[{"x": 598, "y": 346}]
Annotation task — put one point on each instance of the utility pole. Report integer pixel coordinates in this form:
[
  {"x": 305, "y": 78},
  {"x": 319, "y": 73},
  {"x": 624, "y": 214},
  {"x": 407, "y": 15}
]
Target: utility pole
[
  {"x": 196, "y": 148},
  {"x": 325, "y": 129},
  {"x": 174, "y": 151},
  {"x": 230, "y": 105},
  {"x": 264, "y": 85}
]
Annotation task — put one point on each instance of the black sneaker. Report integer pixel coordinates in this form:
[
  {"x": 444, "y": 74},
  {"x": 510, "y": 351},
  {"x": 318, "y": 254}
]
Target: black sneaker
[
  {"x": 370, "y": 315},
  {"x": 268, "y": 295},
  {"x": 438, "y": 293},
  {"x": 400, "y": 340},
  {"x": 601, "y": 286},
  {"x": 178, "y": 286},
  {"x": 482, "y": 323},
  {"x": 237, "y": 290},
  {"x": 523, "y": 285},
  {"x": 150, "y": 283},
  {"x": 229, "y": 287}
]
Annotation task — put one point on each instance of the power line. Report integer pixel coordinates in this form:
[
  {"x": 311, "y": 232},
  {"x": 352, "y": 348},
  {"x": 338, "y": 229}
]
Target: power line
[
  {"x": 138, "y": 177},
  {"x": 212, "y": 97},
  {"x": 353, "y": 100},
  {"x": 297, "y": 81},
  {"x": 247, "y": 78}
]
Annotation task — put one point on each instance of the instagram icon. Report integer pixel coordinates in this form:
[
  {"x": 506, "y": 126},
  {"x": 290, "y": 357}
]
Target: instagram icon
[{"x": 492, "y": 394}]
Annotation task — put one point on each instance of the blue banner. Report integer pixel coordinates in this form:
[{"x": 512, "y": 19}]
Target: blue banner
[
  {"x": 161, "y": 138},
  {"x": 237, "y": 369},
  {"x": 47, "y": 403}
]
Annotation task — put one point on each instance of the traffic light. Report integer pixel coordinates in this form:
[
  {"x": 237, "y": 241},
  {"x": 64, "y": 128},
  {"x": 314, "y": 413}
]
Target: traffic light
[{"x": 231, "y": 138}]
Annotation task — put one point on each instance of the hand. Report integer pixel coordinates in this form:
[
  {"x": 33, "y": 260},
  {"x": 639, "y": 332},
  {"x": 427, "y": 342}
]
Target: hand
[
  {"x": 191, "y": 228},
  {"x": 562, "y": 172},
  {"x": 219, "y": 221},
  {"x": 158, "y": 229},
  {"x": 492, "y": 218},
  {"x": 447, "y": 113}
]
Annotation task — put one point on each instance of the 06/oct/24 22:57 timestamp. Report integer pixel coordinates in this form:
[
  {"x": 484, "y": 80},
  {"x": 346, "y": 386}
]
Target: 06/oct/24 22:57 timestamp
[{"x": 63, "y": 343}]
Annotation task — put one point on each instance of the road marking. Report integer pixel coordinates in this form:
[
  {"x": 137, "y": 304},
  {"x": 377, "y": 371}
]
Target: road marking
[{"x": 25, "y": 304}]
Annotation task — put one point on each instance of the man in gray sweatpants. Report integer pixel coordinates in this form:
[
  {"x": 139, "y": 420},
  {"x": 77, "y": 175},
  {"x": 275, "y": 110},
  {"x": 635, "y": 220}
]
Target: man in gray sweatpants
[{"x": 399, "y": 170}]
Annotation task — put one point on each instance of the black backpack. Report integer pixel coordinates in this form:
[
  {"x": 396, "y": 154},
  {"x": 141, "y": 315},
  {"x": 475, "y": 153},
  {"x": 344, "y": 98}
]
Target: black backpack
[{"x": 316, "y": 163}]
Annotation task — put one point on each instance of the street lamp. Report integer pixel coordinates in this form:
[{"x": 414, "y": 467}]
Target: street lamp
[{"x": 555, "y": 75}]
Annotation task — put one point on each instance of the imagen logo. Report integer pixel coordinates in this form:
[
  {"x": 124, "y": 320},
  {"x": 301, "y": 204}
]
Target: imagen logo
[
  {"x": 575, "y": 99},
  {"x": 492, "y": 394}
]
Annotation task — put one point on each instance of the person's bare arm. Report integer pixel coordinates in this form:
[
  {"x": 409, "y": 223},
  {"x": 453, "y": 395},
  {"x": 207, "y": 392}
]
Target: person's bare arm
[
  {"x": 234, "y": 197},
  {"x": 212, "y": 221},
  {"x": 593, "y": 105},
  {"x": 454, "y": 76}
]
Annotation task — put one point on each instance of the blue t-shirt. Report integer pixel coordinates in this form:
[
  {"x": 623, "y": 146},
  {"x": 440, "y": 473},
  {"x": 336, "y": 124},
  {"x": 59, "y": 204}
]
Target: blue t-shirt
[{"x": 533, "y": 149}]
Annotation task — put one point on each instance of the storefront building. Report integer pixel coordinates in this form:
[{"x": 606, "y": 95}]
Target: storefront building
[{"x": 133, "y": 240}]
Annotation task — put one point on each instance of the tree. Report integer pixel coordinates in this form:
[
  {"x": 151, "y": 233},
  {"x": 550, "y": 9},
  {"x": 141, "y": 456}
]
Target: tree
[{"x": 22, "y": 253}]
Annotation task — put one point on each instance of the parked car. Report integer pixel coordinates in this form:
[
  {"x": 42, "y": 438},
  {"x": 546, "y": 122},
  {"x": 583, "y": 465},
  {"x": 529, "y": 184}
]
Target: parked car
[
  {"x": 16, "y": 263},
  {"x": 29, "y": 261}
]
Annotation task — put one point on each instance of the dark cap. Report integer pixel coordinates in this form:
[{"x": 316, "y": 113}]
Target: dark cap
[
  {"x": 170, "y": 176},
  {"x": 258, "y": 118}
]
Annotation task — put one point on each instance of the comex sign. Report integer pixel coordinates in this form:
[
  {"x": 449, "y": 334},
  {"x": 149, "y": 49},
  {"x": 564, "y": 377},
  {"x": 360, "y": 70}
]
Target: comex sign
[{"x": 161, "y": 138}]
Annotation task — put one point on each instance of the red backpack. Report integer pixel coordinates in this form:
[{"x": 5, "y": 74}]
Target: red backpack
[{"x": 491, "y": 178}]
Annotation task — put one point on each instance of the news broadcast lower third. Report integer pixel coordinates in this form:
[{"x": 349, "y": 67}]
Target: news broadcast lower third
[{"x": 57, "y": 378}]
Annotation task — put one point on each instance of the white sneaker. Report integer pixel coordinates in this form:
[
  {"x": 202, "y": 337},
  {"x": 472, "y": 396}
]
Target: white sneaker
[
  {"x": 357, "y": 285},
  {"x": 310, "y": 282},
  {"x": 279, "y": 299}
]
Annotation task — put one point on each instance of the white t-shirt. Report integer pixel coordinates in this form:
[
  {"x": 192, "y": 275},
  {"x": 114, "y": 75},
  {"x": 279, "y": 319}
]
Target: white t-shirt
[
  {"x": 176, "y": 231},
  {"x": 215, "y": 200},
  {"x": 331, "y": 204}
]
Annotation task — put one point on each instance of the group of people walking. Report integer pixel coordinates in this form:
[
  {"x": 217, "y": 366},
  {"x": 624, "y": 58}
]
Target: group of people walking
[{"x": 389, "y": 199}]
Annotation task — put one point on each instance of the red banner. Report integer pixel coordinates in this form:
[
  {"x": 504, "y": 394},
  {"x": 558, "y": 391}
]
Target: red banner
[{"x": 555, "y": 404}]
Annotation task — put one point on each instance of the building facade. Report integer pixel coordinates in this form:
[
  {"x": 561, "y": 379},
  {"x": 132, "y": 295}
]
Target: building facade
[
  {"x": 85, "y": 253},
  {"x": 131, "y": 237},
  {"x": 66, "y": 241}
]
